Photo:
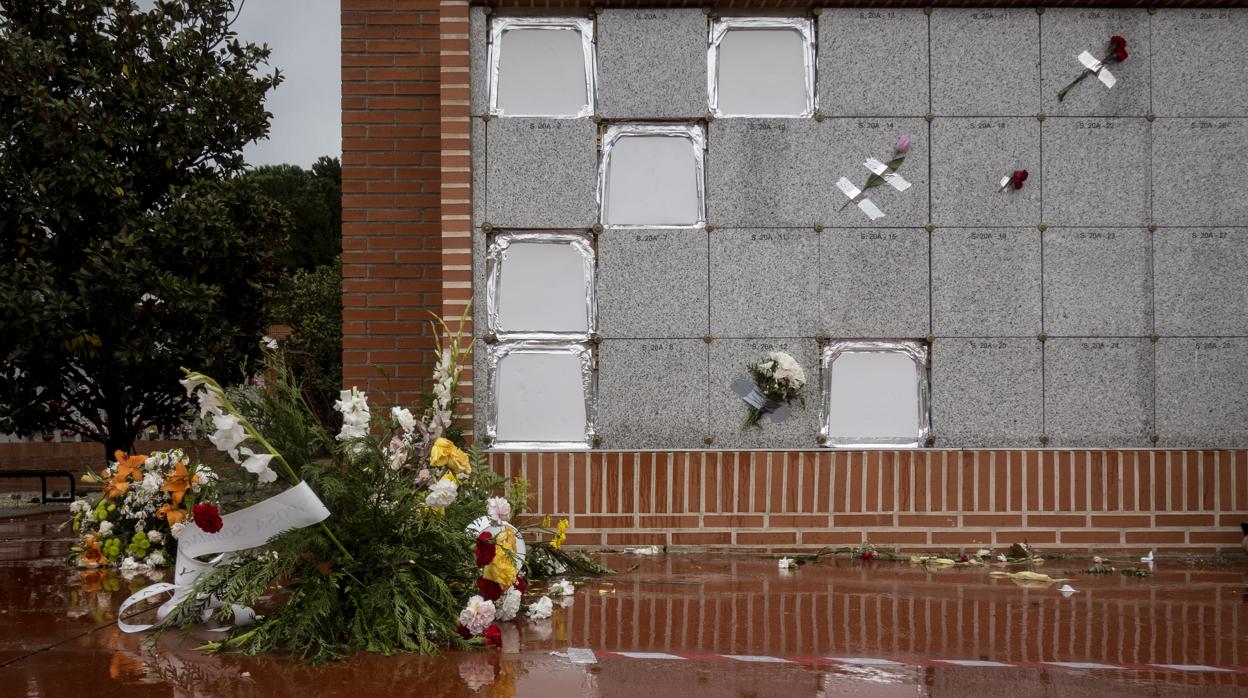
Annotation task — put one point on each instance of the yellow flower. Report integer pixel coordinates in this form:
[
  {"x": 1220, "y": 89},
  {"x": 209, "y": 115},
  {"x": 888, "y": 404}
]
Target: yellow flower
[
  {"x": 561, "y": 534},
  {"x": 546, "y": 521},
  {"x": 502, "y": 569},
  {"x": 447, "y": 455}
]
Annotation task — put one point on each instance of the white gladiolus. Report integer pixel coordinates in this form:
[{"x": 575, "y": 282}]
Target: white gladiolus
[
  {"x": 258, "y": 465},
  {"x": 229, "y": 434},
  {"x": 541, "y": 608},
  {"x": 403, "y": 417},
  {"x": 508, "y": 605},
  {"x": 353, "y": 405}
]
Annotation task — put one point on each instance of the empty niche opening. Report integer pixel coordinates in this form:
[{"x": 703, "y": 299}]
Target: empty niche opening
[
  {"x": 541, "y": 67},
  {"x": 652, "y": 175},
  {"x": 762, "y": 66},
  {"x": 540, "y": 396},
  {"x": 540, "y": 284},
  {"x": 875, "y": 394}
]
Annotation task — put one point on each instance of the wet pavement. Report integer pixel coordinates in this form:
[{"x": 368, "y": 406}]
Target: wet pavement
[{"x": 687, "y": 625}]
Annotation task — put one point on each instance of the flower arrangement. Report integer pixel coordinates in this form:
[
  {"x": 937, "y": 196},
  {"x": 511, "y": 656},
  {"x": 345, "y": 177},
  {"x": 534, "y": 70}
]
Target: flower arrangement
[
  {"x": 1116, "y": 53},
  {"x": 778, "y": 380},
  {"x": 419, "y": 550},
  {"x": 146, "y": 504}
]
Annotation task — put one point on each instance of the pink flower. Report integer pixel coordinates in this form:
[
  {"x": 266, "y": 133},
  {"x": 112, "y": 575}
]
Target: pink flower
[{"x": 903, "y": 144}]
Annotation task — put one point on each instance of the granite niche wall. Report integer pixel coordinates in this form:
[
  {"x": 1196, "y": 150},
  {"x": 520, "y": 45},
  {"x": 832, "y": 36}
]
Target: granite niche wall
[{"x": 1102, "y": 305}]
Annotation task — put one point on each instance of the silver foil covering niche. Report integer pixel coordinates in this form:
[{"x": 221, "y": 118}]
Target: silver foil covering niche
[
  {"x": 584, "y": 29},
  {"x": 694, "y": 134},
  {"x": 570, "y": 318},
  {"x": 537, "y": 403},
  {"x": 723, "y": 26},
  {"x": 875, "y": 394}
]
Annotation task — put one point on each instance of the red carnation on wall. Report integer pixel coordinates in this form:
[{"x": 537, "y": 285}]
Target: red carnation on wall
[
  {"x": 493, "y": 636},
  {"x": 490, "y": 591}
]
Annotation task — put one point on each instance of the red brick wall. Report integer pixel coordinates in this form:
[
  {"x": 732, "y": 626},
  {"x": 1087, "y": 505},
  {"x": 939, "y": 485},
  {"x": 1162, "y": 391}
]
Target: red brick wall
[
  {"x": 391, "y": 234},
  {"x": 922, "y": 500}
]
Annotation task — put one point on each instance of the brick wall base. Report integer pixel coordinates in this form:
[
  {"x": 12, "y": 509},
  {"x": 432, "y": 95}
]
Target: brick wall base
[{"x": 1170, "y": 501}]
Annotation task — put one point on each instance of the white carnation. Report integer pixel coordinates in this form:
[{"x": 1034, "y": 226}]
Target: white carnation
[
  {"x": 106, "y": 527},
  {"x": 508, "y": 606},
  {"x": 498, "y": 508},
  {"x": 562, "y": 588},
  {"x": 442, "y": 493},
  {"x": 176, "y": 529},
  {"x": 154, "y": 537},
  {"x": 79, "y": 506},
  {"x": 541, "y": 608},
  {"x": 152, "y": 482},
  {"x": 156, "y": 559},
  {"x": 477, "y": 615}
]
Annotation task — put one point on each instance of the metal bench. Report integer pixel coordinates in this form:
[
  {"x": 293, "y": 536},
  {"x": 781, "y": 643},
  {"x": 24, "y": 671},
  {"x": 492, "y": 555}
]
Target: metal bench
[{"x": 43, "y": 476}]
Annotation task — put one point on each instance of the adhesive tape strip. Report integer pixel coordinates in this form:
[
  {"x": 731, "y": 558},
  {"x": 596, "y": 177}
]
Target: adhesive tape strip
[
  {"x": 847, "y": 187},
  {"x": 893, "y": 179},
  {"x": 870, "y": 209},
  {"x": 1102, "y": 73}
]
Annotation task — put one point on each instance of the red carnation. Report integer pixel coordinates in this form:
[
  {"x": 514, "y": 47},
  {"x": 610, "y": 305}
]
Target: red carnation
[
  {"x": 493, "y": 636},
  {"x": 1018, "y": 178},
  {"x": 207, "y": 517},
  {"x": 520, "y": 584},
  {"x": 464, "y": 632},
  {"x": 869, "y": 555},
  {"x": 490, "y": 591},
  {"x": 1118, "y": 46},
  {"x": 485, "y": 549}
]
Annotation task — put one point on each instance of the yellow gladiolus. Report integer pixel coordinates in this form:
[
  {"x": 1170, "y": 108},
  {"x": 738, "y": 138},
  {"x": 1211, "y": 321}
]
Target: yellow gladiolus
[{"x": 445, "y": 454}]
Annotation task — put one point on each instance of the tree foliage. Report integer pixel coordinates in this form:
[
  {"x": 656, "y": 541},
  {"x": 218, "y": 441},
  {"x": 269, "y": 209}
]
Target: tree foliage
[
  {"x": 314, "y": 199},
  {"x": 128, "y": 246},
  {"x": 311, "y": 302}
]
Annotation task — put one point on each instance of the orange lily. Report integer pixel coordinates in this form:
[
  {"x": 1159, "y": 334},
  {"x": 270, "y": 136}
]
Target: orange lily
[
  {"x": 171, "y": 514},
  {"x": 127, "y": 469},
  {"x": 93, "y": 555},
  {"x": 177, "y": 483}
]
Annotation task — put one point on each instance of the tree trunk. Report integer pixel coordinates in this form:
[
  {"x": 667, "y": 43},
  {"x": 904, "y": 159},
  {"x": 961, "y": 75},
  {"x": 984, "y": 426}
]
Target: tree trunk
[{"x": 118, "y": 439}]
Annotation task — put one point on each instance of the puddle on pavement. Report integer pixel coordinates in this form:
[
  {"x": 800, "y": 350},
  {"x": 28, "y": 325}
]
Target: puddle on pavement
[{"x": 728, "y": 625}]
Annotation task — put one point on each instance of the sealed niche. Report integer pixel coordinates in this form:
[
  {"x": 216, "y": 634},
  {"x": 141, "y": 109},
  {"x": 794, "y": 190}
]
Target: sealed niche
[
  {"x": 875, "y": 393},
  {"x": 539, "y": 396},
  {"x": 541, "y": 66},
  {"x": 540, "y": 286},
  {"x": 761, "y": 66},
  {"x": 651, "y": 175}
]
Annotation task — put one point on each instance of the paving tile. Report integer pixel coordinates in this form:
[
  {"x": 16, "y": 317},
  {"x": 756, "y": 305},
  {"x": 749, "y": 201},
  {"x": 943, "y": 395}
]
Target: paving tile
[
  {"x": 653, "y": 283},
  {"x": 873, "y": 62},
  {"x": 985, "y": 62},
  {"x": 1196, "y": 165},
  {"x": 873, "y": 283},
  {"x": 763, "y": 282},
  {"x": 541, "y": 173},
  {"x": 652, "y": 393},
  {"x": 1098, "y": 282},
  {"x": 969, "y": 158},
  {"x": 652, "y": 63},
  {"x": 986, "y": 392},
  {"x": 1202, "y": 281},
  {"x": 985, "y": 282},
  {"x": 1201, "y": 401},
  {"x": 1200, "y": 67},
  {"x": 1098, "y": 393},
  {"x": 1095, "y": 171}
]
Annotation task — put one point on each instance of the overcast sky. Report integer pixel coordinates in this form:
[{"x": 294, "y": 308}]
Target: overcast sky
[{"x": 304, "y": 36}]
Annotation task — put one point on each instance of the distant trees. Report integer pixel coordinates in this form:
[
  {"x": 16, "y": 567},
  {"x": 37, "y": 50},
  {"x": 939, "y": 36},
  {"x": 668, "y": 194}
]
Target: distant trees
[{"x": 314, "y": 200}]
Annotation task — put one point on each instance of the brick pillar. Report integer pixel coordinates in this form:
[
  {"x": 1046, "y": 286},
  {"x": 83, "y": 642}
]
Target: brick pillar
[
  {"x": 457, "y": 183},
  {"x": 391, "y": 236}
]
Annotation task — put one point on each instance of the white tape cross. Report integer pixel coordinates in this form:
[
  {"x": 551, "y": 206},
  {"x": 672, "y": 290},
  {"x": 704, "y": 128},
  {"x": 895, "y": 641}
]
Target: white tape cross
[
  {"x": 1102, "y": 73},
  {"x": 864, "y": 204}
]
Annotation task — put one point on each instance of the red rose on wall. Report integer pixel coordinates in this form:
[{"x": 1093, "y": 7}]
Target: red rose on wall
[
  {"x": 207, "y": 517},
  {"x": 1018, "y": 178},
  {"x": 1118, "y": 46}
]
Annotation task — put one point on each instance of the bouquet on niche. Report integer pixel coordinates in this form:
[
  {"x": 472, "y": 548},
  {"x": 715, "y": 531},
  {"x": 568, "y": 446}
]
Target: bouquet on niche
[
  {"x": 778, "y": 380},
  {"x": 148, "y": 500},
  {"x": 1115, "y": 53},
  {"x": 381, "y": 532}
]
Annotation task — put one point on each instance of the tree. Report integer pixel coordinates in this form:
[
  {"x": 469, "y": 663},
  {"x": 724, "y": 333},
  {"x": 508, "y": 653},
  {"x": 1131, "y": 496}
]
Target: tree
[
  {"x": 128, "y": 246},
  {"x": 311, "y": 301},
  {"x": 314, "y": 199}
]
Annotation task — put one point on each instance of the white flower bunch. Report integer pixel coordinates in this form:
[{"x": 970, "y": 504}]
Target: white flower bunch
[
  {"x": 498, "y": 509},
  {"x": 353, "y": 405},
  {"x": 562, "y": 588},
  {"x": 784, "y": 369}
]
